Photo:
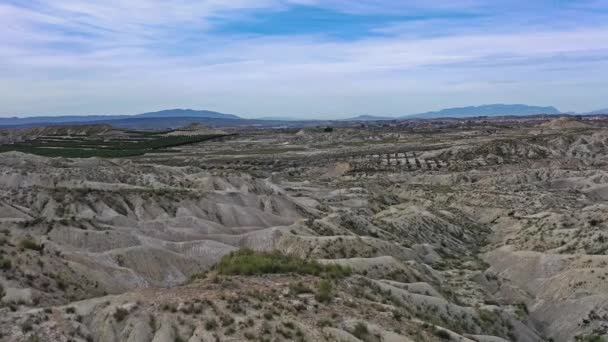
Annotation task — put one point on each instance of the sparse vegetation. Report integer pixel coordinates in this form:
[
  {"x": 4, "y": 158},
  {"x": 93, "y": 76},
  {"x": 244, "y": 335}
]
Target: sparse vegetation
[
  {"x": 29, "y": 243},
  {"x": 247, "y": 262},
  {"x": 120, "y": 314},
  {"x": 299, "y": 288},
  {"x": 5, "y": 264},
  {"x": 27, "y": 326},
  {"x": 324, "y": 291},
  {"x": 591, "y": 338},
  {"x": 360, "y": 330},
  {"x": 210, "y": 324},
  {"x": 442, "y": 334}
]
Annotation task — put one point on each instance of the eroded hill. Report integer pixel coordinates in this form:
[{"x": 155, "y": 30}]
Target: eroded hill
[{"x": 477, "y": 233}]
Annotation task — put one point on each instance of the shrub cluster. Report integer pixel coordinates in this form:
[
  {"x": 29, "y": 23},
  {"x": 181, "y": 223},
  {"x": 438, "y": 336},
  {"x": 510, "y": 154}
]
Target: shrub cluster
[
  {"x": 120, "y": 314},
  {"x": 29, "y": 243},
  {"x": 247, "y": 262},
  {"x": 324, "y": 291}
]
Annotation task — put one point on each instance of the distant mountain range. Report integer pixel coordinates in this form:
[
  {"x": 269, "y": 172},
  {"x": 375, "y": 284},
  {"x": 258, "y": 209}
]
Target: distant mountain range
[
  {"x": 488, "y": 110},
  {"x": 165, "y": 119},
  {"x": 186, "y": 113},
  {"x": 472, "y": 111},
  {"x": 370, "y": 118},
  {"x": 177, "y": 117},
  {"x": 170, "y": 113},
  {"x": 278, "y": 118},
  {"x": 599, "y": 111}
]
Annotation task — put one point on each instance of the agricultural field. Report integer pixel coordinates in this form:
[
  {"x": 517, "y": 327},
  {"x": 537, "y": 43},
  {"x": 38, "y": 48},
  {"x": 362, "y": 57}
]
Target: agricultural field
[{"x": 114, "y": 144}]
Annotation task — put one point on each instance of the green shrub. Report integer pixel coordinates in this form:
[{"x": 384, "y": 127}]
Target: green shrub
[
  {"x": 5, "y": 264},
  {"x": 324, "y": 323},
  {"x": 29, "y": 243},
  {"x": 248, "y": 262},
  {"x": 87, "y": 148},
  {"x": 226, "y": 320},
  {"x": 61, "y": 284},
  {"x": 210, "y": 324},
  {"x": 27, "y": 326},
  {"x": 442, "y": 334},
  {"x": 488, "y": 317},
  {"x": 299, "y": 288},
  {"x": 360, "y": 330},
  {"x": 120, "y": 314},
  {"x": 324, "y": 291}
]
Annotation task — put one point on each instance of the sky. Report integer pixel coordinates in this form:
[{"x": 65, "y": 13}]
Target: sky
[{"x": 300, "y": 58}]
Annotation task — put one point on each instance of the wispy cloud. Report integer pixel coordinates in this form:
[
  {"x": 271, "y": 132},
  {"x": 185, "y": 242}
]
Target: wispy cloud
[{"x": 116, "y": 56}]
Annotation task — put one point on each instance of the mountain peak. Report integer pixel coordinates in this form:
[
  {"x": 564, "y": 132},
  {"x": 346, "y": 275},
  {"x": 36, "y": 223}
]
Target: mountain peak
[
  {"x": 367, "y": 117},
  {"x": 168, "y": 113}
]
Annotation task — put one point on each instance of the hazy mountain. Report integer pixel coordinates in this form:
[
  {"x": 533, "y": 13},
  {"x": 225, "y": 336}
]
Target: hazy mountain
[
  {"x": 186, "y": 113},
  {"x": 163, "y": 123},
  {"x": 75, "y": 119},
  {"x": 34, "y": 120},
  {"x": 279, "y": 118},
  {"x": 370, "y": 118},
  {"x": 487, "y": 110},
  {"x": 599, "y": 111},
  {"x": 177, "y": 117}
]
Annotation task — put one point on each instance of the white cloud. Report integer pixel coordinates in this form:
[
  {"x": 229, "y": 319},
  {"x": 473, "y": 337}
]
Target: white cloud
[{"x": 115, "y": 56}]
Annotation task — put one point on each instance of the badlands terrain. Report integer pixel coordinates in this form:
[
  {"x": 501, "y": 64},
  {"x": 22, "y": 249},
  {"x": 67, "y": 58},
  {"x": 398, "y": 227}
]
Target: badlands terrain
[{"x": 467, "y": 230}]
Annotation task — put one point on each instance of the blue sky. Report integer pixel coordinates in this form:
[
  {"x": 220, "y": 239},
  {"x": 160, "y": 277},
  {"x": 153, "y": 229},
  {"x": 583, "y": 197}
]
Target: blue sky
[{"x": 301, "y": 58}]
